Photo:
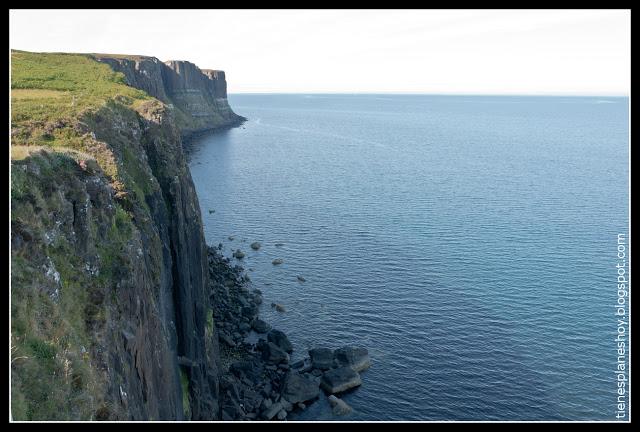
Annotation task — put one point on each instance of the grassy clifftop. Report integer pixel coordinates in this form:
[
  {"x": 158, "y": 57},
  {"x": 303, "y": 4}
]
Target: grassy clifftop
[{"x": 51, "y": 96}]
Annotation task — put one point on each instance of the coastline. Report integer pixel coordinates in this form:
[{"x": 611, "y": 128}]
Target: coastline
[
  {"x": 189, "y": 137},
  {"x": 257, "y": 379}
]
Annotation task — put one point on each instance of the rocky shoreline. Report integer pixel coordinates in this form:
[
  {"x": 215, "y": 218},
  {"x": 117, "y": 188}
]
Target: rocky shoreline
[{"x": 257, "y": 380}]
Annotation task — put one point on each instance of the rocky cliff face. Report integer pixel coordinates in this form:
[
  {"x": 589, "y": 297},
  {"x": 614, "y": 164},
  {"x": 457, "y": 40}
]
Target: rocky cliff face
[
  {"x": 199, "y": 96},
  {"x": 111, "y": 313}
]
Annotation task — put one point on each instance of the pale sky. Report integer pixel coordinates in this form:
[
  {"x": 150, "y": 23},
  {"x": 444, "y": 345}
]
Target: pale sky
[{"x": 349, "y": 51}]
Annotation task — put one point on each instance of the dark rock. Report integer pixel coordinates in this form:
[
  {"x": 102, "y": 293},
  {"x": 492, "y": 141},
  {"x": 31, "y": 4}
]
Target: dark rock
[
  {"x": 298, "y": 364},
  {"x": 280, "y": 339},
  {"x": 255, "y": 245},
  {"x": 260, "y": 326},
  {"x": 357, "y": 358},
  {"x": 249, "y": 311},
  {"x": 282, "y": 414},
  {"x": 321, "y": 358},
  {"x": 301, "y": 279},
  {"x": 286, "y": 405},
  {"x": 224, "y": 337},
  {"x": 338, "y": 406},
  {"x": 272, "y": 411},
  {"x": 243, "y": 367},
  {"x": 274, "y": 354},
  {"x": 340, "y": 379},
  {"x": 298, "y": 388},
  {"x": 238, "y": 254},
  {"x": 278, "y": 307},
  {"x": 277, "y": 261},
  {"x": 266, "y": 404},
  {"x": 232, "y": 408}
]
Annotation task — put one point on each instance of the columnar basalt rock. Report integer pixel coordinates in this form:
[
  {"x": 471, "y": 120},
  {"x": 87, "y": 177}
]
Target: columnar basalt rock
[{"x": 198, "y": 96}]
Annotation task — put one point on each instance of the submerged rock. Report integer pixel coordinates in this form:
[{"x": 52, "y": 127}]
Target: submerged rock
[
  {"x": 340, "y": 379},
  {"x": 278, "y": 307},
  {"x": 255, "y": 245},
  {"x": 321, "y": 358},
  {"x": 231, "y": 238},
  {"x": 338, "y": 406},
  {"x": 279, "y": 244},
  {"x": 301, "y": 279},
  {"x": 277, "y": 261},
  {"x": 354, "y": 357},
  {"x": 238, "y": 254}
]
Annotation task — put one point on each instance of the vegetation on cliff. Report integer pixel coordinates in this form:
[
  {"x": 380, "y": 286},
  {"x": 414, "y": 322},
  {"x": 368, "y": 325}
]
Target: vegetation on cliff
[{"x": 108, "y": 261}]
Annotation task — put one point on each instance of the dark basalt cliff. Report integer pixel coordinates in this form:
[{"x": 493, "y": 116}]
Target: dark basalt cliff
[
  {"x": 199, "y": 96},
  {"x": 111, "y": 308}
]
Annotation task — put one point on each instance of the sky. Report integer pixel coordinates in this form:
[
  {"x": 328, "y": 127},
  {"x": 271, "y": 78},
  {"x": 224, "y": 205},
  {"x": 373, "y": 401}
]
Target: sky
[{"x": 565, "y": 52}]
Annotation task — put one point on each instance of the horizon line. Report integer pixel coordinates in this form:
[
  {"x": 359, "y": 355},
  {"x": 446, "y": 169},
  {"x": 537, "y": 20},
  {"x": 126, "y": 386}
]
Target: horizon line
[{"x": 399, "y": 93}]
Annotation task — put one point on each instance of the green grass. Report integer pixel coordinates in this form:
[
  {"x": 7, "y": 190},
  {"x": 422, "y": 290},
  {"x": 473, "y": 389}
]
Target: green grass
[
  {"x": 51, "y": 94},
  {"x": 184, "y": 380}
]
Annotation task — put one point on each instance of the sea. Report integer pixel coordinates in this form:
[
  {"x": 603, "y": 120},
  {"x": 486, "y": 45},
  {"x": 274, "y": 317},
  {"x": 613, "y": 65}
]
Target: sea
[{"x": 470, "y": 243}]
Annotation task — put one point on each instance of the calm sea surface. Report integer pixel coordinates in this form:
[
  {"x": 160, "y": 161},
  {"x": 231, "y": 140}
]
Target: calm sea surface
[{"x": 468, "y": 242}]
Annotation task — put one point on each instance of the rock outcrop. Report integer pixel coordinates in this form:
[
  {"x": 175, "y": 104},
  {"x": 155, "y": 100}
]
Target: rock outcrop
[{"x": 198, "y": 96}]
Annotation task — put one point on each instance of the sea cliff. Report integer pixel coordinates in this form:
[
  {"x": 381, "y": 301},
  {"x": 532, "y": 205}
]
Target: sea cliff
[{"x": 111, "y": 316}]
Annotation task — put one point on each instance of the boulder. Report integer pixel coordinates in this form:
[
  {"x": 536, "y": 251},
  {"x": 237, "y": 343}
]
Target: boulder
[
  {"x": 301, "y": 279},
  {"x": 255, "y": 245},
  {"x": 340, "y": 379},
  {"x": 224, "y": 337},
  {"x": 321, "y": 358},
  {"x": 271, "y": 353},
  {"x": 338, "y": 406},
  {"x": 298, "y": 388},
  {"x": 277, "y": 261},
  {"x": 354, "y": 357},
  {"x": 260, "y": 326},
  {"x": 250, "y": 311},
  {"x": 242, "y": 367},
  {"x": 272, "y": 411},
  {"x": 238, "y": 254},
  {"x": 280, "y": 339}
]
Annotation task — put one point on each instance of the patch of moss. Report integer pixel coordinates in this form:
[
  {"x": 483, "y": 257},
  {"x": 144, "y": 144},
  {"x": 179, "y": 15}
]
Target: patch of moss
[{"x": 184, "y": 380}]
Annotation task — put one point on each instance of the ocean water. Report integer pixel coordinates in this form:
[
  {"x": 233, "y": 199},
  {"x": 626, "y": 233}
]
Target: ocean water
[{"x": 468, "y": 242}]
